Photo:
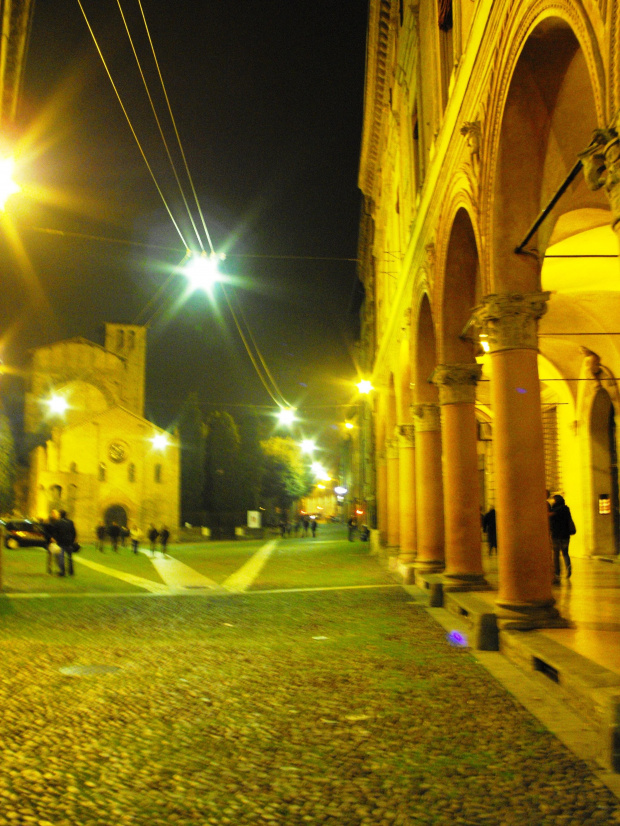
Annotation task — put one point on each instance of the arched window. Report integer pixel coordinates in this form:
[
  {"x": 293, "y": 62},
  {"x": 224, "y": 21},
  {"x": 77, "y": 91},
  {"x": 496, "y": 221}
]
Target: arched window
[
  {"x": 73, "y": 468},
  {"x": 158, "y": 473},
  {"x": 102, "y": 471},
  {"x": 120, "y": 339},
  {"x": 131, "y": 472}
]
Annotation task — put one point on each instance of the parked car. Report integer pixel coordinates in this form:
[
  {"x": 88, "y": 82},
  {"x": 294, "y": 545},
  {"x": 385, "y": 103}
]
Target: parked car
[{"x": 24, "y": 534}]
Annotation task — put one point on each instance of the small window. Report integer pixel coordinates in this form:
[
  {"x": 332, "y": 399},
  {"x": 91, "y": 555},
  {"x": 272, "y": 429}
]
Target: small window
[
  {"x": 102, "y": 472},
  {"x": 131, "y": 472},
  {"x": 158, "y": 473},
  {"x": 131, "y": 339},
  {"x": 120, "y": 339},
  {"x": 73, "y": 467}
]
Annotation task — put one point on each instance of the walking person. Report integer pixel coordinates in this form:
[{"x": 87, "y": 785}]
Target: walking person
[
  {"x": 64, "y": 535},
  {"x": 135, "y": 535},
  {"x": 313, "y": 527},
  {"x": 47, "y": 530},
  {"x": 152, "y": 535},
  {"x": 164, "y": 536},
  {"x": 352, "y": 527},
  {"x": 561, "y": 527},
  {"x": 489, "y": 526},
  {"x": 305, "y": 524},
  {"x": 100, "y": 534},
  {"x": 114, "y": 532}
]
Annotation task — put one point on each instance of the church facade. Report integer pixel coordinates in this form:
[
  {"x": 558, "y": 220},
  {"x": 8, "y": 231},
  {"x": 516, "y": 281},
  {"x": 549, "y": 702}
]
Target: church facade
[
  {"x": 490, "y": 171},
  {"x": 100, "y": 459}
]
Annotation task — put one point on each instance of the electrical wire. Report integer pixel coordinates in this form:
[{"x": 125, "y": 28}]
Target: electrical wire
[
  {"x": 163, "y": 86},
  {"x": 158, "y": 122},
  {"x": 133, "y": 131}
]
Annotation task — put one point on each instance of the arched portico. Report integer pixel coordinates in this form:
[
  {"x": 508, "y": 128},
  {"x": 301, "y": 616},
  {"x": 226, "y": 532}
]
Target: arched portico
[
  {"x": 429, "y": 482},
  {"x": 547, "y": 109},
  {"x": 456, "y": 377}
]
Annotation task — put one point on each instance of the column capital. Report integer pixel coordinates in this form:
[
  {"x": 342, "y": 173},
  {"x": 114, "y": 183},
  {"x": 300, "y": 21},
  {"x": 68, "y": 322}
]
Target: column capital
[
  {"x": 391, "y": 448},
  {"x": 407, "y": 435},
  {"x": 426, "y": 417},
  {"x": 457, "y": 382},
  {"x": 601, "y": 166},
  {"x": 509, "y": 320}
]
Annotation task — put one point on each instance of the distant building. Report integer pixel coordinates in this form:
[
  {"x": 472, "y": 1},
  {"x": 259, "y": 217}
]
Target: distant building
[{"x": 104, "y": 460}]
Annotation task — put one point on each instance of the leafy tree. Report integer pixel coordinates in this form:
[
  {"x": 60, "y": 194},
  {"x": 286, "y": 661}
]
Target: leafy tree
[
  {"x": 222, "y": 463},
  {"x": 7, "y": 465},
  {"x": 251, "y": 462},
  {"x": 286, "y": 477},
  {"x": 192, "y": 434}
]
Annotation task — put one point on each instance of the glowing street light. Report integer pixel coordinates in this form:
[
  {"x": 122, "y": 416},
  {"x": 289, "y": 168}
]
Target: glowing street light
[
  {"x": 160, "y": 441},
  {"x": 319, "y": 471},
  {"x": 349, "y": 425},
  {"x": 364, "y": 386},
  {"x": 286, "y": 415},
  {"x": 202, "y": 271},
  {"x": 307, "y": 446},
  {"x": 8, "y": 186},
  {"x": 57, "y": 405},
  {"x": 484, "y": 342}
]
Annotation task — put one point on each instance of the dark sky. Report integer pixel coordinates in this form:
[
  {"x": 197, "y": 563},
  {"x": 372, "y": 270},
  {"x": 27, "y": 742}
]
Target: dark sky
[{"x": 267, "y": 96}]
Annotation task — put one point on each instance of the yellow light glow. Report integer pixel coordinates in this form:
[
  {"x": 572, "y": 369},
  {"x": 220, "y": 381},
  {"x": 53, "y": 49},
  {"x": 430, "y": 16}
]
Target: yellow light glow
[
  {"x": 308, "y": 446},
  {"x": 201, "y": 271},
  {"x": 57, "y": 405},
  {"x": 286, "y": 415},
  {"x": 484, "y": 343},
  {"x": 321, "y": 487},
  {"x": 8, "y": 186},
  {"x": 160, "y": 441},
  {"x": 349, "y": 425},
  {"x": 364, "y": 386}
]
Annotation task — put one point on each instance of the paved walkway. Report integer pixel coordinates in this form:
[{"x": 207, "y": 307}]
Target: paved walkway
[
  {"x": 177, "y": 575},
  {"x": 132, "y": 579},
  {"x": 591, "y": 601}
]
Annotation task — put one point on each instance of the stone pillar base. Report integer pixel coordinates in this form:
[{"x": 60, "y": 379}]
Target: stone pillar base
[
  {"x": 429, "y": 566},
  {"x": 406, "y": 558},
  {"x": 465, "y": 582},
  {"x": 528, "y": 616}
]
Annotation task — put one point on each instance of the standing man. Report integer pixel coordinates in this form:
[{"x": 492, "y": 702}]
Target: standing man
[
  {"x": 561, "y": 527},
  {"x": 352, "y": 526},
  {"x": 115, "y": 532},
  {"x": 164, "y": 536},
  {"x": 63, "y": 533},
  {"x": 100, "y": 531}
]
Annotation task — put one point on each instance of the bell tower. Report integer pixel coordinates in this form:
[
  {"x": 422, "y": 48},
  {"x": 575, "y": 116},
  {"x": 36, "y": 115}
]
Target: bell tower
[{"x": 129, "y": 342}]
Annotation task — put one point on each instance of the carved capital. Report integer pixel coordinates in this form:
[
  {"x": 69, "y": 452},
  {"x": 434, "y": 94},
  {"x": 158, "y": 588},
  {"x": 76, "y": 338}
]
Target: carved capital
[
  {"x": 407, "y": 435},
  {"x": 457, "y": 382},
  {"x": 426, "y": 417},
  {"x": 508, "y": 321},
  {"x": 601, "y": 166},
  {"x": 391, "y": 449}
]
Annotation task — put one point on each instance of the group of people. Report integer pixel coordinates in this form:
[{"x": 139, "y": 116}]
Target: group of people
[
  {"x": 303, "y": 523},
  {"x": 561, "y": 528},
  {"x": 118, "y": 535},
  {"x": 61, "y": 543}
]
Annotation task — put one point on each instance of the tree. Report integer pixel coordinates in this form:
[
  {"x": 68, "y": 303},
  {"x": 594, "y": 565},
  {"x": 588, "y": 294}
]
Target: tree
[
  {"x": 222, "y": 463},
  {"x": 192, "y": 434},
  {"x": 286, "y": 477},
  {"x": 7, "y": 465},
  {"x": 251, "y": 461}
]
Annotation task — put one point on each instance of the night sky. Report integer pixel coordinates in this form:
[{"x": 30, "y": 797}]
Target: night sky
[{"x": 267, "y": 96}]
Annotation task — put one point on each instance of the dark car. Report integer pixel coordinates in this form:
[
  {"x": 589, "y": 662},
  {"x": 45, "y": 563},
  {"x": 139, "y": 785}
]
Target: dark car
[{"x": 24, "y": 534}]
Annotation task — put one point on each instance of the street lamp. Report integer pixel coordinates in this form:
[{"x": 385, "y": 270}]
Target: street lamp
[
  {"x": 364, "y": 386},
  {"x": 286, "y": 415},
  {"x": 8, "y": 186},
  {"x": 307, "y": 446},
  {"x": 57, "y": 405},
  {"x": 160, "y": 441},
  {"x": 202, "y": 271}
]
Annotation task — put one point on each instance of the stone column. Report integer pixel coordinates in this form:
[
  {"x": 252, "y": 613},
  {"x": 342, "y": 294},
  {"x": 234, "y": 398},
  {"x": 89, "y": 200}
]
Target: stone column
[
  {"x": 406, "y": 486},
  {"x": 393, "y": 523},
  {"x": 510, "y": 321},
  {"x": 457, "y": 396},
  {"x": 429, "y": 488},
  {"x": 382, "y": 496}
]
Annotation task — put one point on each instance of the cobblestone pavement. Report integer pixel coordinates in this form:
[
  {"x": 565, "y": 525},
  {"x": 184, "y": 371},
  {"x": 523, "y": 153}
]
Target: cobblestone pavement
[{"x": 339, "y": 707}]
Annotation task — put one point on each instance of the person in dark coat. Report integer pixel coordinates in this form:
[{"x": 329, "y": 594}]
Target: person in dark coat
[
  {"x": 100, "y": 531},
  {"x": 64, "y": 535},
  {"x": 490, "y": 528},
  {"x": 164, "y": 536},
  {"x": 152, "y": 535},
  {"x": 561, "y": 528},
  {"x": 114, "y": 532}
]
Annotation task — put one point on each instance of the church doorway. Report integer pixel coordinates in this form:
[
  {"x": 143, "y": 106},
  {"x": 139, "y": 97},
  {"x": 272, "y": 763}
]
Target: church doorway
[
  {"x": 604, "y": 475},
  {"x": 116, "y": 513}
]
